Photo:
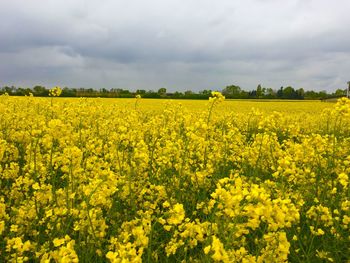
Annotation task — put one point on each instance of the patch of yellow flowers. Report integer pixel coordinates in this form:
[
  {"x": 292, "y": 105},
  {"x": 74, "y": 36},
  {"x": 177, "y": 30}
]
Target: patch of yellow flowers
[
  {"x": 96, "y": 180},
  {"x": 55, "y": 92}
]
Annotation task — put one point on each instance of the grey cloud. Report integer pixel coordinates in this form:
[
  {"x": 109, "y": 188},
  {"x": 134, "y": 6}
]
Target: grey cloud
[{"x": 181, "y": 45}]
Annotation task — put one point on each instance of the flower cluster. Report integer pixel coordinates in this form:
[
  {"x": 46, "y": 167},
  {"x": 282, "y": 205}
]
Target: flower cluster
[
  {"x": 217, "y": 96},
  {"x": 55, "y": 92},
  {"x": 95, "y": 180}
]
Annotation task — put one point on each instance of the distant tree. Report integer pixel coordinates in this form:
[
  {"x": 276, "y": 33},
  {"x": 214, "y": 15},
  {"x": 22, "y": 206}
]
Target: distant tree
[
  {"x": 244, "y": 94},
  {"x": 270, "y": 93},
  {"x": 252, "y": 94},
  {"x": 124, "y": 91},
  {"x": 323, "y": 94},
  {"x": 280, "y": 92},
  {"x": 300, "y": 93},
  {"x": 67, "y": 92},
  {"x": 339, "y": 92},
  {"x": 28, "y": 91},
  {"x": 151, "y": 94},
  {"x": 20, "y": 91},
  {"x": 162, "y": 91},
  {"x": 177, "y": 95},
  {"x": 40, "y": 91},
  {"x": 259, "y": 91},
  {"x": 232, "y": 91},
  {"x": 23, "y": 91},
  {"x": 289, "y": 93},
  {"x": 311, "y": 95},
  {"x": 205, "y": 92},
  {"x": 141, "y": 91}
]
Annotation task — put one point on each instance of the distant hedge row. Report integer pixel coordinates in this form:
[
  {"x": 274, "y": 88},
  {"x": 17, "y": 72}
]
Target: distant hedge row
[{"x": 230, "y": 92}]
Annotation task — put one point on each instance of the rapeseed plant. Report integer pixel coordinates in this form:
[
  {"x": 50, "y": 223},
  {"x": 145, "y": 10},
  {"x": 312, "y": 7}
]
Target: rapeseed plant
[{"x": 96, "y": 180}]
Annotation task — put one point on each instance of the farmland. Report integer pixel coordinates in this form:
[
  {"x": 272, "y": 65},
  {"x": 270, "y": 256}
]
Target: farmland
[{"x": 131, "y": 180}]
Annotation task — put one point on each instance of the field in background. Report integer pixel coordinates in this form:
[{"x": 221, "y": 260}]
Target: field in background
[
  {"x": 238, "y": 106},
  {"x": 136, "y": 180}
]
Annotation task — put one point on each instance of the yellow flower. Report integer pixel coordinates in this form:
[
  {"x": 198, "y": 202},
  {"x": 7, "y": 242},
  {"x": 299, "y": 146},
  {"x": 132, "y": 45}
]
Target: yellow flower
[
  {"x": 55, "y": 92},
  {"x": 2, "y": 226},
  {"x": 207, "y": 249},
  {"x": 14, "y": 228},
  {"x": 36, "y": 186},
  {"x": 26, "y": 246},
  {"x": 320, "y": 232},
  {"x": 177, "y": 214},
  {"x": 343, "y": 179},
  {"x": 58, "y": 242},
  {"x": 216, "y": 96}
]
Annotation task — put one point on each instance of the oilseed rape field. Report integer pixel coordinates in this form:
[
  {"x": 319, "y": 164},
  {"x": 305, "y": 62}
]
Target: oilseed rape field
[{"x": 137, "y": 180}]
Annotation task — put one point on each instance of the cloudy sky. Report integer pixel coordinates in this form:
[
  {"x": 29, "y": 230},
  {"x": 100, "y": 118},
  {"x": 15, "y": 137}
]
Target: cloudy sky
[{"x": 180, "y": 45}]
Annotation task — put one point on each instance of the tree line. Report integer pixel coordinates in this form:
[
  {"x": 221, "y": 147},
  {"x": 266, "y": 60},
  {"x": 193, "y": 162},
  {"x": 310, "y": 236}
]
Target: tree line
[
  {"x": 235, "y": 92},
  {"x": 230, "y": 92}
]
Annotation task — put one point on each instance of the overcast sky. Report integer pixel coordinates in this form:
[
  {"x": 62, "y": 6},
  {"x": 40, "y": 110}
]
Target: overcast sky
[{"x": 180, "y": 45}]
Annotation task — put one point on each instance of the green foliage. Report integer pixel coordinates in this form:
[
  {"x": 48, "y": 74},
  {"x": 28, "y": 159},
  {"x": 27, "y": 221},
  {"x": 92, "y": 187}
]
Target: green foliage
[{"x": 230, "y": 92}]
